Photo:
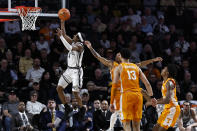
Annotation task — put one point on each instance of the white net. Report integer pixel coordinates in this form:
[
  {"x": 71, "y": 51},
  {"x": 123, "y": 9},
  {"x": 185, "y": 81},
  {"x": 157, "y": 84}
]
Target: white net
[{"x": 29, "y": 17}]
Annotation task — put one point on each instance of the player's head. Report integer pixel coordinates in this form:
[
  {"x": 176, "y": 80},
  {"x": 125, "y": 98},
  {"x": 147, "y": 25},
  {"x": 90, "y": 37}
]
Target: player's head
[
  {"x": 186, "y": 105},
  {"x": 125, "y": 54},
  {"x": 79, "y": 37},
  {"x": 118, "y": 57},
  {"x": 169, "y": 71}
]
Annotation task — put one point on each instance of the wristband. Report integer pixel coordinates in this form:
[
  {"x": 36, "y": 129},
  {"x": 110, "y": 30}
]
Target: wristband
[{"x": 152, "y": 96}]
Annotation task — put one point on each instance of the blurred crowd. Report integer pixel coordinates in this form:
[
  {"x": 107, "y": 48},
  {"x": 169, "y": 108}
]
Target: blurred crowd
[{"x": 32, "y": 61}]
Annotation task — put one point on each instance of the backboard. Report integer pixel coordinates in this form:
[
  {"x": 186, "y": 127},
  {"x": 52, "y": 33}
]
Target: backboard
[{"x": 49, "y": 7}]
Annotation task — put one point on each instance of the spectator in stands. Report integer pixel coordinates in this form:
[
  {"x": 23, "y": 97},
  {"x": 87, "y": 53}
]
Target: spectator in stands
[
  {"x": 2, "y": 47},
  {"x": 186, "y": 83},
  {"x": 18, "y": 51},
  {"x": 101, "y": 116},
  {"x": 135, "y": 19},
  {"x": 7, "y": 76},
  {"x": 100, "y": 26},
  {"x": 160, "y": 27},
  {"x": 26, "y": 62},
  {"x": 90, "y": 14},
  {"x": 150, "y": 19},
  {"x": 45, "y": 34},
  {"x": 55, "y": 73},
  {"x": 152, "y": 70},
  {"x": 34, "y": 51},
  {"x": 12, "y": 64},
  {"x": 135, "y": 54},
  {"x": 166, "y": 3},
  {"x": 104, "y": 41},
  {"x": 10, "y": 109},
  {"x": 187, "y": 114},
  {"x": 35, "y": 73},
  {"x": 182, "y": 44},
  {"x": 146, "y": 27},
  {"x": 11, "y": 27},
  {"x": 47, "y": 89},
  {"x": 176, "y": 56},
  {"x": 68, "y": 101},
  {"x": 45, "y": 59},
  {"x": 189, "y": 96},
  {"x": 150, "y": 4},
  {"x": 88, "y": 120},
  {"x": 75, "y": 18},
  {"x": 105, "y": 14},
  {"x": 33, "y": 106},
  {"x": 23, "y": 120},
  {"x": 42, "y": 44},
  {"x": 75, "y": 114},
  {"x": 147, "y": 53},
  {"x": 85, "y": 99},
  {"x": 193, "y": 90},
  {"x": 190, "y": 4},
  {"x": 52, "y": 119},
  {"x": 100, "y": 88}
]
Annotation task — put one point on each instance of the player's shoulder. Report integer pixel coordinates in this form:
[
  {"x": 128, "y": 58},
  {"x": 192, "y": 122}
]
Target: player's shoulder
[{"x": 171, "y": 83}]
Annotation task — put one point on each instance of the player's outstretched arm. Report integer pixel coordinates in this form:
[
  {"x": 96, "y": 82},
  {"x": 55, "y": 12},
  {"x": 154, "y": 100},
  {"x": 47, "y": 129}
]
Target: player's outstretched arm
[
  {"x": 64, "y": 32},
  {"x": 146, "y": 83},
  {"x": 78, "y": 47},
  {"x": 104, "y": 61},
  {"x": 146, "y": 62},
  {"x": 170, "y": 87}
]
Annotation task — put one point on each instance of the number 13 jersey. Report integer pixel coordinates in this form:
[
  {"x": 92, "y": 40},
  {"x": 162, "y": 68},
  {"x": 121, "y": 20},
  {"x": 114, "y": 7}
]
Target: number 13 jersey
[{"x": 130, "y": 77}]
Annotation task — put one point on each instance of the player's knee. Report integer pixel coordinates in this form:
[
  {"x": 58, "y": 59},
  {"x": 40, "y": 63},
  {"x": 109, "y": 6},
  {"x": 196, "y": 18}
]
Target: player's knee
[
  {"x": 135, "y": 124},
  {"x": 76, "y": 89},
  {"x": 59, "y": 88}
]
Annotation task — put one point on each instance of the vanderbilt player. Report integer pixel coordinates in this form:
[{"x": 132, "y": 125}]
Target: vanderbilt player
[{"x": 74, "y": 71}]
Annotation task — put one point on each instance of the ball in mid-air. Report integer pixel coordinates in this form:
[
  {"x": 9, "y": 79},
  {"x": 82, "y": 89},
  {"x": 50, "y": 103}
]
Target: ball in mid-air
[{"x": 64, "y": 14}]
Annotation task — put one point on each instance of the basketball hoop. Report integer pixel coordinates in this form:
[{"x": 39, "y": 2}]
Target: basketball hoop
[{"x": 28, "y": 16}]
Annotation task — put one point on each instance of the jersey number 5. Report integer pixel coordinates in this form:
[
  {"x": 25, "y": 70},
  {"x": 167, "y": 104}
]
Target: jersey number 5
[{"x": 131, "y": 75}]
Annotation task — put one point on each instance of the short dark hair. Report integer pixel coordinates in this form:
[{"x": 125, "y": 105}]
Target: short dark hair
[
  {"x": 172, "y": 70},
  {"x": 125, "y": 53}
]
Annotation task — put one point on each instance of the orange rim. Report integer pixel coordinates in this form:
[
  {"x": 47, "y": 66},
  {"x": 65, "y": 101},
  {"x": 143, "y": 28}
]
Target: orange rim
[{"x": 25, "y": 10}]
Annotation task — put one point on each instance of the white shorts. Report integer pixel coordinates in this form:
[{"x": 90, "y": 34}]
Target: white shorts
[{"x": 74, "y": 76}]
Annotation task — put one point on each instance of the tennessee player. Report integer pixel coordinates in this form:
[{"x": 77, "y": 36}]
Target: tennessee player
[
  {"x": 131, "y": 100},
  {"x": 115, "y": 93},
  {"x": 171, "y": 110}
]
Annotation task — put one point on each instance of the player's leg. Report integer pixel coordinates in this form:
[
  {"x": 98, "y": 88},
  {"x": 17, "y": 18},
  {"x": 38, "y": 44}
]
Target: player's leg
[
  {"x": 77, "y": 81},
  {"x": 137, "y": 110},
  {"x": 63, "y": 82},
  {"x": 113, "y": 119},
  {"x": 126, "y": 125},
  {"x": 136, "y": 125}
]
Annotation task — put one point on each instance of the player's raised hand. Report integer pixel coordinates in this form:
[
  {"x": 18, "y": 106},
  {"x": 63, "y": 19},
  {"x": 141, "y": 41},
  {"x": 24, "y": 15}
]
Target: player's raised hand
[
  {"x": 157, "y": 59},
  {"x": 59, "y": 32},
  {"x": 88, "y": 44}
]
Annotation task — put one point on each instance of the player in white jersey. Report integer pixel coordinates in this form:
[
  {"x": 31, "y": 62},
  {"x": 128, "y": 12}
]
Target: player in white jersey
[{"x": 74, "y": 71}]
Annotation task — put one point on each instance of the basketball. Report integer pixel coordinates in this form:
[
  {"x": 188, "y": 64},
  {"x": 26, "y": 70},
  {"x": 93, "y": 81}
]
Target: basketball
[{"x": 64, "y": 14}]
